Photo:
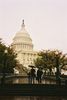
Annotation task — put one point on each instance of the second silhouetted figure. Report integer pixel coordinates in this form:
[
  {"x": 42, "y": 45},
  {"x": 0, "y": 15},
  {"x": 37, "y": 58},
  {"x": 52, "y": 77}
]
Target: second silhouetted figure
[{"x": 39, "y": 75}]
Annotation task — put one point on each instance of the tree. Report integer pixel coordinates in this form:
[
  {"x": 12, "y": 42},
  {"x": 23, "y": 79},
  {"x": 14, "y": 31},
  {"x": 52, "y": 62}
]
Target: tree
[
  {"x": 7, "y": 59},
  {"x": 48, "y": 59}
]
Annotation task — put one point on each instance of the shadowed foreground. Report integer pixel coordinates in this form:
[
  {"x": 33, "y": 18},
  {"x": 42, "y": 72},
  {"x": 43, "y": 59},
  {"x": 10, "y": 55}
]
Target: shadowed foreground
[
  {"x": 33, "y": 97},
  {"x": 33, "y": 90}
]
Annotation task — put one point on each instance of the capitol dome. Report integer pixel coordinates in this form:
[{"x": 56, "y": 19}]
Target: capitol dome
[
  {"x": 22, "y": 45},
  {"x": 22, "y": 40}
]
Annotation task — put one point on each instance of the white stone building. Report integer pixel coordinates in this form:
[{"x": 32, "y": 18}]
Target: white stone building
[{"x": 22, "y": 45}]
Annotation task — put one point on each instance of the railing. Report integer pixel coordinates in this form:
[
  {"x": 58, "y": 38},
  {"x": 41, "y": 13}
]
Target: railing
[{"x": 21, "y": 79}]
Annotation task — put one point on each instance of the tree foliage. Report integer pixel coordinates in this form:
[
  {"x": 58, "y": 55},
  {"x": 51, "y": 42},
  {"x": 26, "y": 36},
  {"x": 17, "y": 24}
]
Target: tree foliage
[
  {"x": 48, "y": 59},
  {"x": 7, "y": 59}
]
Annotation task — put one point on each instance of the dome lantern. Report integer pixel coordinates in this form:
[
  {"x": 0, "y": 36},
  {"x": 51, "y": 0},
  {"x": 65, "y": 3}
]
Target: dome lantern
[{"x": 23, "y": 25}]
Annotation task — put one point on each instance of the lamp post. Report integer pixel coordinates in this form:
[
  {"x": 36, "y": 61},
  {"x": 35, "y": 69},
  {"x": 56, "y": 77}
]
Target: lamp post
[
  {"x": 57, "y": 70},
  {"x": 4, "y": 66}
]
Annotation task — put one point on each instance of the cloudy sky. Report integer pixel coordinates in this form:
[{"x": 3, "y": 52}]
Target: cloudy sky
[{"x": 45, "y": 20}]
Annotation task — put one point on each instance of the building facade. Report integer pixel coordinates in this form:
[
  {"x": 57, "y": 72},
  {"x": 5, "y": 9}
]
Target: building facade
[{"x": 22, "y": 45}]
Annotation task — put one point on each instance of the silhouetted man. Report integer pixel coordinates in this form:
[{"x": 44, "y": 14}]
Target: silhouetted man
[
  {"x": 32, "y": 75},
  {"x": 39, "y": 75}
]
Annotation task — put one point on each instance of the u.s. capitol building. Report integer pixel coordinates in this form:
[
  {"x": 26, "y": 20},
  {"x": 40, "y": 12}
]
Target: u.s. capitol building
[{"x": 22, "y": 45}]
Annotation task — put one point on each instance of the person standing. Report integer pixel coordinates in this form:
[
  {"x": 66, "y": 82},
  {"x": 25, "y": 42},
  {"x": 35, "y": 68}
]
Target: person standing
[
  {"x": 29, "y": 77},
  {"x": 32, "y": 75},
  {"x": 39, "y": 75}
]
